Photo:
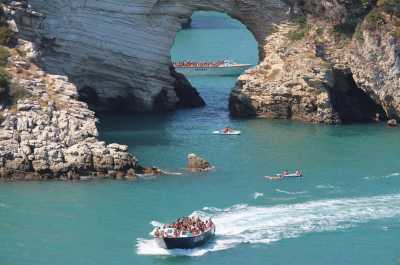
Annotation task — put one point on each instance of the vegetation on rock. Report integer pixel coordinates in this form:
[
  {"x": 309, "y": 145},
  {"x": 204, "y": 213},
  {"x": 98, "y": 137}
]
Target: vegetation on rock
[
  {"x": 302, "y": 29},
  {"x": 391, "y": 7},
  {"x": 7, "y": 36}
]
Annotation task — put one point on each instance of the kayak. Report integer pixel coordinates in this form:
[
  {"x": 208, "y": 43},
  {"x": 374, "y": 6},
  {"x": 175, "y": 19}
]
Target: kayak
[{"x": 227, "y": 133}]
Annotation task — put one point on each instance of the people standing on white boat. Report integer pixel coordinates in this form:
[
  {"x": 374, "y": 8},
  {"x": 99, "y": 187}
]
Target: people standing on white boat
[{"x": 189, "y": 64}]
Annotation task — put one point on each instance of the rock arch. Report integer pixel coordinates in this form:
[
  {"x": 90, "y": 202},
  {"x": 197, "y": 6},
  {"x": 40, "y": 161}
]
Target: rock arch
[{"x": 120, "y": 50}]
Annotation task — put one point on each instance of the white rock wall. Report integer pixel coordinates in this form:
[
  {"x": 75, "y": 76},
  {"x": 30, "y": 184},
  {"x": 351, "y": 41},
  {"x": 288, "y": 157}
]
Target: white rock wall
[{"x": 122, "y": 48}]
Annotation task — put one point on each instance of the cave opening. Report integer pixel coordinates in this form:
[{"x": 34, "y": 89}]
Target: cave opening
[
  {"x": 353, "y": 104},
  {"x": 208, "y": 37}
]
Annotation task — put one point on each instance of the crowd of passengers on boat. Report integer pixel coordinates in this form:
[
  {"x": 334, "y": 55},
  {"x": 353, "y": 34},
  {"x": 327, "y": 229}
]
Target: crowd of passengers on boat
[
  {"x": 184, "y": 227},
  {"x": 189, "y": 63}
]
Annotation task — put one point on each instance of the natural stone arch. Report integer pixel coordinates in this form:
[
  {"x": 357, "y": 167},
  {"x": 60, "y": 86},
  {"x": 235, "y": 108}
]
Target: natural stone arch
[
  {"x": 259, "y": 17},
  {"x": 119, "y": 51}
]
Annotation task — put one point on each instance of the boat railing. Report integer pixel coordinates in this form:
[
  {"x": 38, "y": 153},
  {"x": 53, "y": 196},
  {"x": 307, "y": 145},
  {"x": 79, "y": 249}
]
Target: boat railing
[{"x": 193, "y": 236}]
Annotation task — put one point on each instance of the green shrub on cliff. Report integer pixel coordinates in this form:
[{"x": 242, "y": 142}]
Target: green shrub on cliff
[
  {"x": 391, "y": 7},
  {"x": 7, "y": 36},
  {"x": 302, "y": 29},
  {"x": 4, "y": 54},
  {"x": 16, "y": 92},
  {"x": 358, "y": 34},
  {"x": 4, "y": 77},
  {"x": 345, "y": 30},
  {"x": 374, "y": 20}
]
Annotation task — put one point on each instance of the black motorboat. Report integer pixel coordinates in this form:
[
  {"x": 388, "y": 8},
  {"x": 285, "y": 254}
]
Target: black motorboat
[
  {"x": 188, "y": 242},
  {"x": 185, "y": 233}
]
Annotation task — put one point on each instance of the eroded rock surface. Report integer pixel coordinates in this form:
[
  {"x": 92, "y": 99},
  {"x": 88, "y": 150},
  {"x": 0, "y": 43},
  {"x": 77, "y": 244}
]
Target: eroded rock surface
[
  {"x": 118, "y": 52},
  {"x": 291, "y": 83},
  {"x": 51, "y": 134},
  {"x": 326, "y": 70},
  {"x": 198, "y": 164}
]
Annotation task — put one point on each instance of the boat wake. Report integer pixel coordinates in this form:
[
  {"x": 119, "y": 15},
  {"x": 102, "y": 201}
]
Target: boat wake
[
  {"x": 326, "y": 187},
  {"x": 256, "y": 195},
  {"x": 263, "y": 225},
  {"x": 396, "y": 174},
  {"x": 291, "y": 192}
]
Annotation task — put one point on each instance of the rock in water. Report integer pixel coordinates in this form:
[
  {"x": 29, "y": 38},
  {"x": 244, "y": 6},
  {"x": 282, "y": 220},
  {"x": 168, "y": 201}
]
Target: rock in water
[
  {"x": 392, "y": 123},
  {"x": 196, "y": 163}
]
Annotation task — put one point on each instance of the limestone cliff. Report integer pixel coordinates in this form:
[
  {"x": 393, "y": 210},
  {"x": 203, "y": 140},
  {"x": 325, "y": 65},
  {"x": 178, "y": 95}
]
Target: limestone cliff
[
  {"x": 324, "y": 61},
  {"x": 118, "y": 52},
  {"x": 336, "y": 62},
  {"x": 49, "y": 133}
]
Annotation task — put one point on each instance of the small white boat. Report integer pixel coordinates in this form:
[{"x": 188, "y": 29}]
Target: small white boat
[
  {"x": 221, "y": 68},
  {"x": 277, "y": 177},
  {"x": 294, "y": 175},
  {"x": 221, "y": 132}
]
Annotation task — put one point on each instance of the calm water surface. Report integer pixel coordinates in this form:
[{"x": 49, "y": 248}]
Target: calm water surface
[{"x": 345, "y": 211}]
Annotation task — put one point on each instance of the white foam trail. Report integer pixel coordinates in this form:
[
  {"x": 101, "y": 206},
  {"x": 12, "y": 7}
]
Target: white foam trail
[
  {"x": 396, "y": 174},
  {"x": 256, "y": 195},
  {"x": 156, "y": 224},
  {"x": 331, "y": 187},
  {"x": 263, "y": 225},
  {"x": 291, "y": 192}
]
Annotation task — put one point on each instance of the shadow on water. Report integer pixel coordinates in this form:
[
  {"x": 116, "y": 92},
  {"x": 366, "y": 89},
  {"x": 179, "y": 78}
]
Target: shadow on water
[{"x": 135, "y": 129}]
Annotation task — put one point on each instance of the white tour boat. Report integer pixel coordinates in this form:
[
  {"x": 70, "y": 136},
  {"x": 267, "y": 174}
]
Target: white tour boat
[{"x": 220, "y": 68}]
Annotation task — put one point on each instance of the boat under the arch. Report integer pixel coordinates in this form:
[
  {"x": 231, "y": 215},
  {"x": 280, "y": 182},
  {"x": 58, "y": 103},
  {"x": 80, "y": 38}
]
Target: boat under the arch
[{"x": 219, "y": 68}]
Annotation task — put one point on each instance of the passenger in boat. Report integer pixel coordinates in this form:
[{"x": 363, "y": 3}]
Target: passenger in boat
[
  {"x": 183, "y": 227},
  {"x": 157, "y": 232},
  {"x": 228, "y": 130},
  {"x": 298, "y": 173},
  {"x": 285, "y": 173}
]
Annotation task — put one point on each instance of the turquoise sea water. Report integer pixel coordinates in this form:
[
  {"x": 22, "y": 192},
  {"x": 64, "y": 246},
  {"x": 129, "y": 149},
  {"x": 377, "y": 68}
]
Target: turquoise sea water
[{"x": 345, "y": 211}]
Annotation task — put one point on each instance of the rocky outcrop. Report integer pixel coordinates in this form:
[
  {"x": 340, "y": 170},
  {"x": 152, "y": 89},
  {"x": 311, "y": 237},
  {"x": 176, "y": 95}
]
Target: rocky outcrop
[
  {"x": 118, "y": 55},
  {"x": 50, "y": 134},
  {"x": 197, "y": 164},
  {"x": 392, "y": 123},
  {"x": 326, "y": 70},
  {"x": 291, "y": 83}
]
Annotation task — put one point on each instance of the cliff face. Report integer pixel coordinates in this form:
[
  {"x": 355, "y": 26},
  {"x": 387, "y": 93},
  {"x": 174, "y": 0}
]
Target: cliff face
[
  {"x": 118, "y": 55},
  {"x": 50, "y": 134},
  {"x": 118, "y": 52},
  {"x": 336, "y": 62}
]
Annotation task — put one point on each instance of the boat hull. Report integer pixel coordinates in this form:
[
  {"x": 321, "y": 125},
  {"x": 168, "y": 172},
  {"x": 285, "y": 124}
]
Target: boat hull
[
  {"x": 186, "y": 242},
  {"x": 214, "y": 71},
  {"x": 293, "y": 176}
]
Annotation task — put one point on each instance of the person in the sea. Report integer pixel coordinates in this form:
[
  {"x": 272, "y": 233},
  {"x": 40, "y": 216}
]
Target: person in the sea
[
  {"x": 157, "y": 232},
  {"x": 228, "y": 130}
]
